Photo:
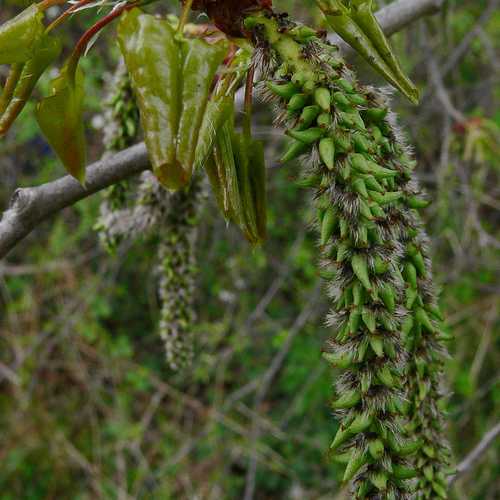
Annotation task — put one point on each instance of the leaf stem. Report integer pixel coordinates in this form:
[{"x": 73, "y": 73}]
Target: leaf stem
[
  {"x": 91, "y": 32},
  {"x": 184, "y": 16}
]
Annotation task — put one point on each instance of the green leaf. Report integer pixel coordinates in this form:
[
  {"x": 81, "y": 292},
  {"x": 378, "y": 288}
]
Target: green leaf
[
  {"x": 172, "y": 78},
  {"x": 362, "y": 13},
  {"x": 60, "y": 119},
  {"x": 360, "y": 29},
  {"x": 47, "y": 52},
  {"x": 152, "y": 56},
  {"x": 20, "y": 36}
]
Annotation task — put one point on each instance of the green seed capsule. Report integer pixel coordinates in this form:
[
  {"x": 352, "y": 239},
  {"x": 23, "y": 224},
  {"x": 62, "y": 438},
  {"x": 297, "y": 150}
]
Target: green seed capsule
[
  {"x": 345, "y": 85},
  {"x": 309, "y": 114},
  {"x": 342, "y": 361},
  {"x": 342, "y": 458},
  {"x": 361, "y": 143},
  {"x": 327, "y": 152},
  {"x": 376, "y": 133},
  {"x": 360, "y": 269},
  {"x": 380, "y": 266},
  {"x": 411, "y": 297},
  {"x": 308, "y": 136},
  {"x": 347, "y": 400},
  {"x": 322, "y": 98},
  {"x": 419, "y": 263},
  {"x": 328, "y": 225},
  {"x": 403, "y": 472},
  {"x": 296, "y": 149},
  {"x": 360, "y": 423},
  {"x": 357, "y": 99},
  {"x": 369, "y": 320},
  {"x": 380, "y": 172},
  {"x": 407, "y": 325},
  {"x": 385, "y": 376},
  {"x": 388, "y": 296},
  {"x": 408, "y": 448},
  {"x": 297, "y": 103},
  {"x": 343, "y": 251},
  {"x": 342, "y": 142},
  {"x": 410, "y": 274},
  {"x": 435, "y": 311},
  {"x": 324, "y": 120},
  {"x": 387, "y": 198},
  {"x": 376, "y": 449},
  {"x": 303, "y": 33},
  {"x": 285, "y": 91},
  {"x": 354, "y": 320},
  {"x": 358, "y": 459},
  {"x": 417, "y": 203},
  {"x": 379, "y": 480},
  {"x": 375, "y": 115},
  {"x": 439, "y": 490},
  {"x": 359, "y": 163},
  {"x": 377, "y": 211},
  {"x": 340, "y": 99},
  {"x": 358, "y": 294},
  {"x": 424, "y": 320},
  {"x": 365, "y": 211},
  {"x": 311, "y": 181},
  {"x": 351, "y": 120},
  {"x": 359, "y": 187},
  {"x": 373, "y": 184},
  {"x": 341, "y": 437},
  {"x": 377, "y": 345}
]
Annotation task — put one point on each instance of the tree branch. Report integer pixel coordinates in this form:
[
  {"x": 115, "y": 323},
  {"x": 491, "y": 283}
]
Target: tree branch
[
  {"x": 30, "y": 206},
  {"x": 470, "y": 460}
]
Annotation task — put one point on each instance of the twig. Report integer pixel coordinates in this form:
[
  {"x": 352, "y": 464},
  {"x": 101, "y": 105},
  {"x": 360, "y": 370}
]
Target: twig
[
  {"x": 470, "y": 460},
  {"x": 30, "y": 206}
]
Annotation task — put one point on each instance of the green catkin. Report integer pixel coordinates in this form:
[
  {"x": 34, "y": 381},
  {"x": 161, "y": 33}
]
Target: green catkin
[
  {"x": 177, "y": 276},
  {"x": 153, "y": 210},
  {"x": 121, "y": 121},
  {"x": 367, "y": 222}
]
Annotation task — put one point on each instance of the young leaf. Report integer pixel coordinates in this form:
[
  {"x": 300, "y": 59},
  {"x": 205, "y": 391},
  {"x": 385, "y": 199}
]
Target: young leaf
[
  {"x": 172, "y": 77},
  {"x": 152, "y": 56},
  {"x": 20, "y": 36},
  {"x": 46, "y": 53},
  {"x": 60, "y": 119},
  {"x": 201, "y": 61},
  {"x": 366, "y": 40},
  {"x": 362, "y": 13}
]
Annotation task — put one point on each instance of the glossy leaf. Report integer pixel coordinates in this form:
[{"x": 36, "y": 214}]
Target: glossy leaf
[
  {"x": 20, "y": 36},
  {"x": 362, "y": 13},
  {"x": 152, "y": 56},
  {"x": 60, "y": 118},
  {"x": 201, "y": 62},
  {"x": 47, "y": 52},
  {"x": 172, "y": 78}
]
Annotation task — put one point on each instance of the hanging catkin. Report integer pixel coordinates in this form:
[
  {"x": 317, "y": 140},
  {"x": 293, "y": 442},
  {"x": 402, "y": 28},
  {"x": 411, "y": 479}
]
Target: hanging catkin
[
  {"x": 384, "y": 315},
  {"x": 152, "y": 210}
]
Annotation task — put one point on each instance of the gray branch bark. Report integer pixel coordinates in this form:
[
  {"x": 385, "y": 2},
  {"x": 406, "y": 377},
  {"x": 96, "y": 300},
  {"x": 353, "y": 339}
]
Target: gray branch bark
[
  {"x": 477, "y": 453},
  {"x": 30, "y": 206}
]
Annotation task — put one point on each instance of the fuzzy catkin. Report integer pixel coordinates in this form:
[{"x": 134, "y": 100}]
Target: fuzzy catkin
[
  {"x": 121, "y": 125},
  {"x": 365, "y": 193},
  {"x": 150, "y": 210},
  {"x": 177, "y": 274}
]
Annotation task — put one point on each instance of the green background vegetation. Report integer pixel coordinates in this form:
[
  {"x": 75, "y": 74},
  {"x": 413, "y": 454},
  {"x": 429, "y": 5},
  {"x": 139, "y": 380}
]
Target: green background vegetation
[{"x": 88, "y": 408}]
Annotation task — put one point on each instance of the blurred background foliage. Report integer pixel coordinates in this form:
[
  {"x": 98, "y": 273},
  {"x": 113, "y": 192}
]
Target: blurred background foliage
[{"x": 88, "y": 408}]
